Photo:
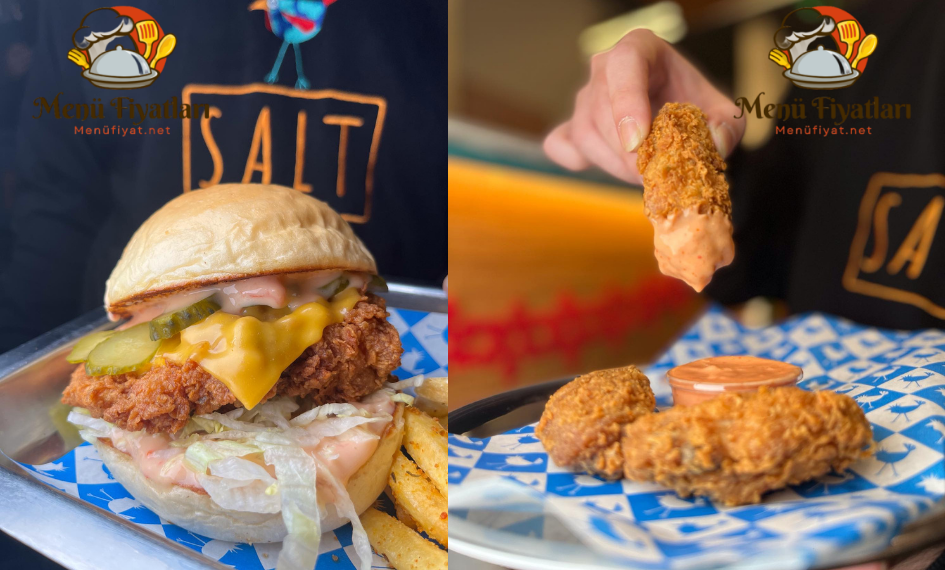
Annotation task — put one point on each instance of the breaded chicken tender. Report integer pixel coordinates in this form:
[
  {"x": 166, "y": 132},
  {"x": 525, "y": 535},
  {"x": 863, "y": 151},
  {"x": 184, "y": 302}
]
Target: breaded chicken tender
[
  {"x": 685, "y": 195},
  {"x": 583, "y": 421},
  {"x": 732, "y": 449},
  {"x": 680, "y": 165},
  {"x": 737, "y": 447}
]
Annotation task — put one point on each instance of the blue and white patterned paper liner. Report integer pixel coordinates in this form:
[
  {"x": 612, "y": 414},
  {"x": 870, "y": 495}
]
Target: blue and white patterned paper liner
[
  {"x": 82, "y": 474},
  {"x": 507, "y": 482}
]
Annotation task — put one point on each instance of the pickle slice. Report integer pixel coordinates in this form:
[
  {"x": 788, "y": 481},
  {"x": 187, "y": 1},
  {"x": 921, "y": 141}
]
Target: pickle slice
[
  {"x": 377, "y": 283},
  {"x": 334, "y": 287},
  {"x": 80, "y": 352},
  {"x": 170, "y": 324},
  {"x": 123, "y": 352}
]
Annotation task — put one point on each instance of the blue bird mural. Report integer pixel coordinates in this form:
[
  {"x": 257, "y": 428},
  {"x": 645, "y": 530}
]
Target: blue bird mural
[{"x": 295, "y": 21}]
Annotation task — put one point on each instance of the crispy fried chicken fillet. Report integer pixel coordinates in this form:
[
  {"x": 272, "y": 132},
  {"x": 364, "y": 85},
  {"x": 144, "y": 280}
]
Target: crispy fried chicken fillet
[
  {"x": 732, "y": 449},
  {"x": 583, "y": 421},
  {"x": 354, "y": 358},
  {"x": 737, "y": 447},
  {"x": 685, "y": 195}
]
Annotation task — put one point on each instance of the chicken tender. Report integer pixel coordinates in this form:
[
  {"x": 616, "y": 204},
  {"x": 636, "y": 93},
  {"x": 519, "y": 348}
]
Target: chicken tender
[
  {"x": 737, "y": 447},
  {"x": 583, "y": 421},
  {"x": 685, "y": 195},
  {"x": 732, "y": 449}
]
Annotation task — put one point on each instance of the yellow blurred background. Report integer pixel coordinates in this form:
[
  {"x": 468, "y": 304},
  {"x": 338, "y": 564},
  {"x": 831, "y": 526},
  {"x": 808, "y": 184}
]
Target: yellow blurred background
[{"x": 551, "y": 273}]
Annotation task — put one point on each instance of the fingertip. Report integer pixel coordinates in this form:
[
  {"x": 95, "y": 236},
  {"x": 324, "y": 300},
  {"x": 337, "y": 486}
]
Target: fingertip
[
  {"x": 724, "y": 137},
  {"x": 630, "y": 132},
  {"x": 726, "y": 129},
  {"x": 628, "y": 89}
]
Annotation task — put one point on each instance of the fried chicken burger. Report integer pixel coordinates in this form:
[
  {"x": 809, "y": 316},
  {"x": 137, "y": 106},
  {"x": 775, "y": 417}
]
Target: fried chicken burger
[{"x": 246, "y": 398}]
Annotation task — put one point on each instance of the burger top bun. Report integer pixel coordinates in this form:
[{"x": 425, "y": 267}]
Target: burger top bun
[
  {"x": 196, "y": 512},
  {"x": 229, "y": 232}
]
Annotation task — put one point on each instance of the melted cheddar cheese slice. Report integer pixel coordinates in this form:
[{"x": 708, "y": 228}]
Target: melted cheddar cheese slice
[{"x": 249, "y": 355}]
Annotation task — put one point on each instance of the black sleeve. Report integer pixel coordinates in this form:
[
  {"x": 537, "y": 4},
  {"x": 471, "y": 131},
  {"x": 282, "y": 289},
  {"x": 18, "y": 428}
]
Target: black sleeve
[
  {"x": 767, "y": 202},
  {"x": 59, "y": 203}
]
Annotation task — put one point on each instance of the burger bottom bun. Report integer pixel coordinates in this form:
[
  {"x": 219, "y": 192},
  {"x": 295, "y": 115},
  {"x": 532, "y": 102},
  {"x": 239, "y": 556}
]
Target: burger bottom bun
[{"x": 196, "y": 512}]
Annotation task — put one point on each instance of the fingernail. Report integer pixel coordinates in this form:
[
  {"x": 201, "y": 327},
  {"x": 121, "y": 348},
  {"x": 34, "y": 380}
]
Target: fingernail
[
  {"x": 630, "y": 135},
  {"x": 721, "y": 134}
]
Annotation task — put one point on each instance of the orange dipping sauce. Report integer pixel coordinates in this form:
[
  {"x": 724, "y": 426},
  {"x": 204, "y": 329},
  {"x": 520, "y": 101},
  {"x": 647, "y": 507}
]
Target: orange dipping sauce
[{"x": 707, "y": 378}]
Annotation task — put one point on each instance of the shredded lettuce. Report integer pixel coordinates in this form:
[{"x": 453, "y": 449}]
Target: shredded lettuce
[
  {"x": 198, "y": 424},
  {"x": 403, "y": 398},
  {"x": 276, "y": 418},
  {"x": 241, "y": 485},
  {"x": 399, "y": 388},
  {"x": 202, "y": 453},
  {"x": 276, "y": 411},
  {"x": 233, "y": 434},
  {"x": 296, "y": 473},
  {"x": 345, "y": 508},
  {"x": 171, "y": 464},
  {"x": 402, "y": 385},
  {"x": 90, "y": 429},
  {"x": 186, "y": 441},
  {"x": 231, "y": 421},
  {"x": 240, "y": 469},
  {"x": 317, "y": 431},
  {"x": 328, "y": 410},
  {"x": 207, "y": 425},
  {"x": 226, "y": 452}
]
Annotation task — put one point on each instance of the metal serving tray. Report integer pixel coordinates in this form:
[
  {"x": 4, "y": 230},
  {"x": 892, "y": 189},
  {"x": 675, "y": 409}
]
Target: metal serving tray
[{"x": 72, "y": 532}]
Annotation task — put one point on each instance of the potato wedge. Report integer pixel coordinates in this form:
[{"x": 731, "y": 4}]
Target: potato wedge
[
  {"x": 417, "y": 495},
  {"x": 431, "y": 408},
  {"x": 402, "y": 515},
  {"x": 433, "y": 398},
  {"x": 436, "y": 390},
  {"x": 425, "y": 441},
  {"x": 404, "y": 549}
]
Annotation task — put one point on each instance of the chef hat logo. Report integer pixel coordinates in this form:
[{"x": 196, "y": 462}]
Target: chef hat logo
[
  {"x": 101, "y": 25},
  {"x": 841, "y": 43},
  {"x": 801, "y": 25},
  {"x": 120, "y": 48}
]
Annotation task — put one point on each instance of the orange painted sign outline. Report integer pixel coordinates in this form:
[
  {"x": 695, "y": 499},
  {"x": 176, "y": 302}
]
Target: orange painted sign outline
[
  {"x": 851, "y": 280},
  {"x": 379, "y": 102}
]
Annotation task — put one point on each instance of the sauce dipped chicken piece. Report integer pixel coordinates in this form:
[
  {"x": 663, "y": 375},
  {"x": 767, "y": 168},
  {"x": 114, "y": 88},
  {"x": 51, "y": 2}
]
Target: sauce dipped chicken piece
[{"x": 685, "y": 196}]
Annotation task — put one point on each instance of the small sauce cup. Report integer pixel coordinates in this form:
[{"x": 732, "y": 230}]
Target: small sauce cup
[{"x": 705, "y": 379}]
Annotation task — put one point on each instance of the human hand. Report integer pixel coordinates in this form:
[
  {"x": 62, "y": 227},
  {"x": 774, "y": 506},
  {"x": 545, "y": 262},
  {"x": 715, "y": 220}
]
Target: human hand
[{"x": 613, "y": 111}]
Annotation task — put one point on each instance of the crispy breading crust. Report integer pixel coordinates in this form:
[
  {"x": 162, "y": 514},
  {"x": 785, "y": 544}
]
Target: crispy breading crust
[
  {"x": 737, "y": 447},
  {"x": 583, "y": 420},
  {"x": 680, "y": 165},
  {"x": 354, "y": 358}
]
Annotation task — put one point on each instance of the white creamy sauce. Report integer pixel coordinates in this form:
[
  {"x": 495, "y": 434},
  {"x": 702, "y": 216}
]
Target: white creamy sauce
[{"x": 692, "y": 246}]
